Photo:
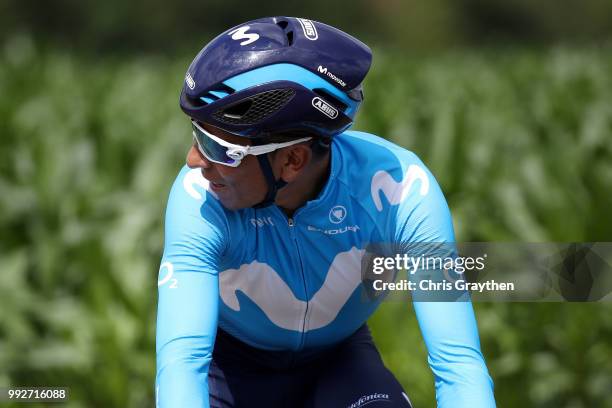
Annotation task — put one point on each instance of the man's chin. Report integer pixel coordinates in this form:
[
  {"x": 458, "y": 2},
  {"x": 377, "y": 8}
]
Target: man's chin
[{"x": 230, "y": 205}]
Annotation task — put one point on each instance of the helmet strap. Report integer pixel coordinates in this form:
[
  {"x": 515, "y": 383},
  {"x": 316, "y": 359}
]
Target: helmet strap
[{"x": 273, "y": 184}]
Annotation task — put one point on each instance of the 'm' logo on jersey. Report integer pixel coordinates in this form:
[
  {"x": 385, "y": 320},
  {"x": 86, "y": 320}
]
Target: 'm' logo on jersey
[
  {"x": 325, "y": 107},
  {"x": 241, "y": 34},
  {"x": 274, "y": 297},
  {"x": 394, "y": 191},
  {"x": 310, "y": 31},
  {"x": 337, "y": 214}
]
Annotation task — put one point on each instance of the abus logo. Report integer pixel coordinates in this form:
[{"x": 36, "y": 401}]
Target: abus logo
[
  {"x": 189, "y": 81},
  {"x": 337, "y": 214},
  {"x": 310, "y": 31},
  {"x": 241, "y": 34},
  {"x": 325, "y": 107}
]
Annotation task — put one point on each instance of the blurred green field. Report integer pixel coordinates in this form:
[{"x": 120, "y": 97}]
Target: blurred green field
[{"x": 521, "y": 142}]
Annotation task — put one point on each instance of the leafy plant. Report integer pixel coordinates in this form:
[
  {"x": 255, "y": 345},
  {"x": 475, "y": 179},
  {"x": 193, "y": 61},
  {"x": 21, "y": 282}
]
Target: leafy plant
[{"x": 520, "y": 142}]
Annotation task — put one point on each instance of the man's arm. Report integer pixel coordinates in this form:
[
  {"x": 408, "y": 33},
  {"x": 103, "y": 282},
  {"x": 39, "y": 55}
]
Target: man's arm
[
  {"x": 186, "y": 327},
  {"x": 448, "y": 328},
  {"x": 187, "y": 309},
  {"x": 451, "y": 336}
]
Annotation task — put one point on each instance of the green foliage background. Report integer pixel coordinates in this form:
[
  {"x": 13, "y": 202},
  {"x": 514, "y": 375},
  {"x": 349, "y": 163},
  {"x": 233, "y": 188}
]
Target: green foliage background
[{"x": 519, "y": 140}]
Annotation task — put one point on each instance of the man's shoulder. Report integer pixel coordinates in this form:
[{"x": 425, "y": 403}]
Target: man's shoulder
[
  {"x": 380, "y": 174},
  {"x": 365, "y": 146},
  {"x": 364, "y": 154}
]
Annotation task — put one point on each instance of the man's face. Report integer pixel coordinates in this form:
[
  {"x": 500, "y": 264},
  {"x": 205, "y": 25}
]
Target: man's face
[{"x": 237, "y": 187}]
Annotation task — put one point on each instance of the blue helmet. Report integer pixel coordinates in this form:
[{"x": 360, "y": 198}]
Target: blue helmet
[{"x": 277, "y": 75}]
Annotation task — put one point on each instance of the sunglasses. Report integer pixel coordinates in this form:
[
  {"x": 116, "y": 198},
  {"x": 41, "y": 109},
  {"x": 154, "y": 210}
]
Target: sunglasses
[{"x": 219, "y": 151}]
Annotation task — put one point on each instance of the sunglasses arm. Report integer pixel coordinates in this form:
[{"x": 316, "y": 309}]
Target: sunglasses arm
[{"x": 257, "y": 150}]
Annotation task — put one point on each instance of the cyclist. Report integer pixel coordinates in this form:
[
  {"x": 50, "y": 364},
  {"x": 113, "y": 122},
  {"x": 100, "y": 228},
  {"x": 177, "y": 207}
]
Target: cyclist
[{"x": 260, "y": 285}]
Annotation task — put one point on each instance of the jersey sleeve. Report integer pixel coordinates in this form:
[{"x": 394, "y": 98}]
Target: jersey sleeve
[
  {"x": 188, "y": 293},
  {"x": 449, "y": 328}
]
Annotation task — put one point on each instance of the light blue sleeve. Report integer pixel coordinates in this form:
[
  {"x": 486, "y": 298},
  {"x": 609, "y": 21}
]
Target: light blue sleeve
[
  {"x": 448, "y": 328},
  {"x": 187, "y": 309}
]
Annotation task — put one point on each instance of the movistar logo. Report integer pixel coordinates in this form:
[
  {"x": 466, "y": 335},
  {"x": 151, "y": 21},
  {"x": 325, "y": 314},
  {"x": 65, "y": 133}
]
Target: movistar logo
[
  {"x": 394, "y": 191},
  {"x": 241, "y": 34},
  {"x": 257, "y": 284},
  {"x": 334, "y": 78},
  {"x": 310, "y": 31},
  {"x": 325, "y": 107}
]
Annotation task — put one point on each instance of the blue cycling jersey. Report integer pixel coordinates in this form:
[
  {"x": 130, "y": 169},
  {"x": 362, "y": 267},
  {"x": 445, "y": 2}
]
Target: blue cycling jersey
[{"x": 281, "y": 283}]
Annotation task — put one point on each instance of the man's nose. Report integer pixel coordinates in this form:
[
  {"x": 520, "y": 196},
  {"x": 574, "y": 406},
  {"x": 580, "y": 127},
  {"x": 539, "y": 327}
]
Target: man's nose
[{"x": 196, "y": 159}]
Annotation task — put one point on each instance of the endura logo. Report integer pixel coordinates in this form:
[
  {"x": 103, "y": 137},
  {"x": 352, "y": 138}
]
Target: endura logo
[
  {"x": 337, "y": 214},
  {"x": 310, "y": 31},
  {"x": 334, "y": 78},
  {"x": 325, "y": 107},
  {"x": 335, "y": 231}
]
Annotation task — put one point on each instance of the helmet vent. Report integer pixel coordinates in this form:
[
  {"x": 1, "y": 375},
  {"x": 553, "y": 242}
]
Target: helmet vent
[
  {"x": 219, "y": 92},
  {"x": 238, "y": 110},
  {"x": 356, "y": 94},
  {"x": 284, "y": 24},
  {"x": 255, "y": 108},
  {"x": 331, "y": 99}
]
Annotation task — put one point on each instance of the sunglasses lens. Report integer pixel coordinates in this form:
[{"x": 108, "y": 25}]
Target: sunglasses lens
[{"x": 210, "y": 148}]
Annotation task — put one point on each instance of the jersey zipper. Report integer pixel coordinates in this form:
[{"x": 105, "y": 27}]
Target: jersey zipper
[{"x": 291, "y": 223}]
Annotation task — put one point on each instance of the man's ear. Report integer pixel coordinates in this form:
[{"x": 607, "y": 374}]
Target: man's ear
[{"x": 292, "y": 161}]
